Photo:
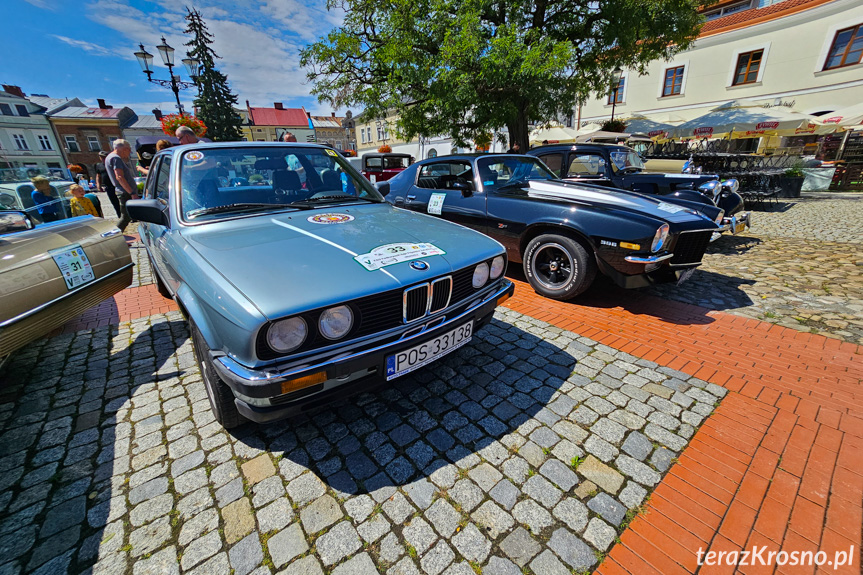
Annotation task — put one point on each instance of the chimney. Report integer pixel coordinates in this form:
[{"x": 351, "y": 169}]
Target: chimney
[
  {"x": 14, "y": 90},
  {"x": 279, "y": 106},
  {"x": 102, "y": 104},
  {"x": 309, "y": 115},
  {"x": 333, "y": 114},
  {"x": 158, "y": 113}
]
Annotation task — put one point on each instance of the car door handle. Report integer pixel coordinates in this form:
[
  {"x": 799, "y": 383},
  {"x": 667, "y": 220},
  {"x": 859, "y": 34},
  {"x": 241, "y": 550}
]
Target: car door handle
[
  {"x": 109, "y": 233},
  {"x": 410, "y": 198}
]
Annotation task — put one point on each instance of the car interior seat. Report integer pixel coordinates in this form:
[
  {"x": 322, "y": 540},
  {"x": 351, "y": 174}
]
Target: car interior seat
[
  {"x": 286, "y": 180},
  {"x": 331, "y": 180}
]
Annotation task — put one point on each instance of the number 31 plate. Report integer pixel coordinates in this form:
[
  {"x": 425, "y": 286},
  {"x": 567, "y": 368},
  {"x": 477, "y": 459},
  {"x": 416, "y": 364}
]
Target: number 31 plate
[{"x": 424, "y": 353}]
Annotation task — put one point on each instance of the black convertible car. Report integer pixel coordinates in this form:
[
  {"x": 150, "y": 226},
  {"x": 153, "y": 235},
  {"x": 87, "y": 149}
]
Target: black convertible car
[
  {"x": 621, "y": 167},
  {"x": 562, "y": 232}
]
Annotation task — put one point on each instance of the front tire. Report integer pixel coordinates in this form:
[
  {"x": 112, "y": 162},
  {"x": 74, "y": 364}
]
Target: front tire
[
  {"x": 558, "y": 267},
  {"x": 220, "y": 395}
]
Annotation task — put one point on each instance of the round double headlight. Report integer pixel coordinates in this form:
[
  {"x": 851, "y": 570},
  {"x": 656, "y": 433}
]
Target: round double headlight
[
  {"x": 497, "y": 266},
  {"x": 480, "y": 275},
  {"x": 659, "y": 238},
  {"x": 731, "y": 184},
  {"x": 336, "y": 322},
  {"x": 711, "y": 188},
  {"x": 287, "y": 334}
]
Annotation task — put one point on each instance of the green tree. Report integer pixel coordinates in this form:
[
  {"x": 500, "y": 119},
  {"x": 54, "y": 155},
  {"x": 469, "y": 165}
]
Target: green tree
[
  {"x": 215, "y": 101},
  {"x": 465, "y": 67}
]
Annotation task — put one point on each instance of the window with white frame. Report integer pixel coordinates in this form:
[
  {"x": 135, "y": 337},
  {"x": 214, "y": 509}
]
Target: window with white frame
[
  {"x": 380, "y": 132},
  {"x": 20, "y": 142},
  {"x": 71, "y": 144},
  {"x": 93, "y": 142},
  {"x": 111, "y": 142},
  {"x": 44, "y": 142},
  {"x": 363, "y": 136}
]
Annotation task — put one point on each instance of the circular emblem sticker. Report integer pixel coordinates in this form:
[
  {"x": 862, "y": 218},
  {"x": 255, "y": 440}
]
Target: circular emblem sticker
[
  {"x": 419, "y": 265},
  {"x": 195, "y": 156},
  {"x": 330, "y": 218}
]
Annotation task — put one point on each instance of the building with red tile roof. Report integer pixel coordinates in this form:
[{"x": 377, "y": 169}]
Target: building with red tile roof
[
  {"x": 270, "y": 124},
  {"x": 83, "y": 132}
]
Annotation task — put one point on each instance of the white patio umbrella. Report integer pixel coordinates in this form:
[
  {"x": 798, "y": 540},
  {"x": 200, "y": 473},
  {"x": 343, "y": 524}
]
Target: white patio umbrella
[
  {"x": 849, "y": 117},
  {"x": 747, "y": 119},
  {"x": 552, "y": 134},
  {"x": 645, "y": 125}
]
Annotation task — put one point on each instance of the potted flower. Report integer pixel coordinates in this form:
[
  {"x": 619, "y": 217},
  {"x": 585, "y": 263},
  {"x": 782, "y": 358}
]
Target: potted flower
[
  {"x": 171, "y": 122},
  {"x": 385, "y": 149},
  {"x": 791, "y": 182}
]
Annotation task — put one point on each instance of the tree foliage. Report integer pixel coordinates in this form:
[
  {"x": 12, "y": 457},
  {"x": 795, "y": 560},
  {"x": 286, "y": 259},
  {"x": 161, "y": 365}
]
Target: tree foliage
[
  {"x": 465, "y": 67},
  {"x": 215, "y": 101}
]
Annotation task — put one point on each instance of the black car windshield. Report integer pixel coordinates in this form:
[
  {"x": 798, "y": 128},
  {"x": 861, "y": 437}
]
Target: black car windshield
[
  {"x": 626, "y": 160},
  {"x": 500, "y": 171},
  {"x": 217, "y": 182}
]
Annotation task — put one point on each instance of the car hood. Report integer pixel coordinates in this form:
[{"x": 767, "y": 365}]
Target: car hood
[
  {"x": 286, "y": 263},
  {"x": 696, "y": 179},
  {"x": 611, "y": 198}
]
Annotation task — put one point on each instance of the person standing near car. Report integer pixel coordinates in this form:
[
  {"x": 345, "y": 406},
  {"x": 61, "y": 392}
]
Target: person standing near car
[
  {"x": 186, "y": 135},
  {"x": 121, "y": 175},
  {"x": 104, "y": 184}
]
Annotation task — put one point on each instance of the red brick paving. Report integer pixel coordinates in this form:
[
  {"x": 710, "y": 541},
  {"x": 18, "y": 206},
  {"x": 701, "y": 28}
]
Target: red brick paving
[
  {"x": 129, "y": 304},
  {"x": 778, "y": 464}
]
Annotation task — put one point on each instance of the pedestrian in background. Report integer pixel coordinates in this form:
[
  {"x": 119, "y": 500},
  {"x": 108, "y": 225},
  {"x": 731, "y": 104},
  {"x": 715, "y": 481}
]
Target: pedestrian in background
[
  {"x": 104, "y": 183},
  {"x": 121, "y": 175},
  {"x": 81, "y": 205},
  {"x": 186, "y": 135}
]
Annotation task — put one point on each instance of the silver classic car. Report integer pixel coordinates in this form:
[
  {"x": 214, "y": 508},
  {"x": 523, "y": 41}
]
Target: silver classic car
[{"x": 300, "y": 283}]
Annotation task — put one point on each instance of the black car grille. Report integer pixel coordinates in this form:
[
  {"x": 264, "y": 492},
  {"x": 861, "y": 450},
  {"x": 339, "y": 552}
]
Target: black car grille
[
  {"x": 690, "y": 247},
  {"x": 383, "y": 311}
]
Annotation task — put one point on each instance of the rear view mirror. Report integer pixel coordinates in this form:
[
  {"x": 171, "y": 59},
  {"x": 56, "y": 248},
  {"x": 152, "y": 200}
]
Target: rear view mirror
[
  {"x": 14, "y": 221},
  {"x": 150, "y": 211},
  {"x": 383, "y": 188},
  {"x": 464, "y": 187}
]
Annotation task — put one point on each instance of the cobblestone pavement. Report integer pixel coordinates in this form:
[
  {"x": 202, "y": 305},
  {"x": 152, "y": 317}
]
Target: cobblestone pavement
[
  {"x": 527, "y": 451},
  {"x": 801, "y": 268}
]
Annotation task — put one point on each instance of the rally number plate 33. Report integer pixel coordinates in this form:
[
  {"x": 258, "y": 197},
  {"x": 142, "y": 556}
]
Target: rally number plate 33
[{"x": 415, "y": 357}]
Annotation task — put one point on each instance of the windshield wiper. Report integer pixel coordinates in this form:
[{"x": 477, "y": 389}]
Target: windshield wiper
[
  {"x": 334, "y": 197},
  {"x": 229, "y": 208}
]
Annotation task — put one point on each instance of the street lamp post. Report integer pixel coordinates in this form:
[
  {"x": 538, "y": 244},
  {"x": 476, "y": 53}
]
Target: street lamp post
[
  {"x": 614, "y": 90},
  {"x": 145, "y": 59}
]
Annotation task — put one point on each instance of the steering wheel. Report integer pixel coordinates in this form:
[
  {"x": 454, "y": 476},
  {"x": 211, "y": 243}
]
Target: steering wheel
[{"x": 8, "y": 201}]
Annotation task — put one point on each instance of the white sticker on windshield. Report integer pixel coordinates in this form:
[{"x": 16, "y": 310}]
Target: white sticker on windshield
[
  {"x": 436, "y": 203},
  {"x": 671, "y": 208},
  {"x": 391, "y": 254}
]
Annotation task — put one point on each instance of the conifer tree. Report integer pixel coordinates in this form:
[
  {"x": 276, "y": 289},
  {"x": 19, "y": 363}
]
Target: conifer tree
[{"x": 215, "y": 101}]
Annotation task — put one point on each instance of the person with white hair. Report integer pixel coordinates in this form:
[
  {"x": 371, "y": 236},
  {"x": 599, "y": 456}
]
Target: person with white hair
[
  {"x": 186, "y": 135},
  {"x": 121, "y": 175}
]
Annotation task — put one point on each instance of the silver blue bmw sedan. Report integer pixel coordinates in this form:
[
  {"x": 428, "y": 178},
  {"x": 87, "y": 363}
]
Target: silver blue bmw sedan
[{"x": 299, "y": 282}]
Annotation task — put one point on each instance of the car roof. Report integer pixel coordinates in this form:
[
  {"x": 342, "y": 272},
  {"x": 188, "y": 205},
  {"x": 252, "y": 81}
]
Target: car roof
[
  {"x": 578, "y": 146},
  {"x": 468, "y": 156}
]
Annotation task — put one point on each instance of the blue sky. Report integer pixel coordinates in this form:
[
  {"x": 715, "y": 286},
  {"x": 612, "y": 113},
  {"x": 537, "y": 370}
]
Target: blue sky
[{"x": 84, "y": 49}]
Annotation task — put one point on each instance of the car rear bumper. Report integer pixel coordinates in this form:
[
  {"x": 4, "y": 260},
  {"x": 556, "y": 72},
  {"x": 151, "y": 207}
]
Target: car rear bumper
[{"x": 260, "y": 394}]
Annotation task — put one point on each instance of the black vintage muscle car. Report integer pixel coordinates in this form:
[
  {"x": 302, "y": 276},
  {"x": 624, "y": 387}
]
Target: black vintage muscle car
[
  {"x": 562, "y": 232},
  {"x": 621, "y": 167}
]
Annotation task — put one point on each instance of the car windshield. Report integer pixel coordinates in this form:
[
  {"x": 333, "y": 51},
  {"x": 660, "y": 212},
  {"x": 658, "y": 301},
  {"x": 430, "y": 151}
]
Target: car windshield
[
  {"x": 626, "y": 160},
  {"x": 218, "y": 181},
  {"x": 388, "y": 162},
  {"x": 500, "y": 171}
]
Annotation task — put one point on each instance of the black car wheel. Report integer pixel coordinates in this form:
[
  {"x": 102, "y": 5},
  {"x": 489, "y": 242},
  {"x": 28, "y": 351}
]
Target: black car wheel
[
  {"x": 160, "y": 285},
  {"x": 558, "y": 267},
  {"x": 221, "y": 396}
]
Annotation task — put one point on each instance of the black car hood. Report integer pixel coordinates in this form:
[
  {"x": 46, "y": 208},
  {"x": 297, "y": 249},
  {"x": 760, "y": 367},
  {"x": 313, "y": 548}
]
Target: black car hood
[{"x": 612, "y": 198}]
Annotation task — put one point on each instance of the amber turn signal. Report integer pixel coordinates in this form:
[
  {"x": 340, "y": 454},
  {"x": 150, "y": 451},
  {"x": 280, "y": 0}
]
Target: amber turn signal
[
  {"x": 303, "y": 382},
  {"x": 630, "y": 246},
  {"x": 502, "y": 299}
]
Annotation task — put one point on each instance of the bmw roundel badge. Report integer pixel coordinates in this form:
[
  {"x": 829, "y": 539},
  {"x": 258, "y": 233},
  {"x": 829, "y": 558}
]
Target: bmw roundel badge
[{"x": 419, "y": 265}]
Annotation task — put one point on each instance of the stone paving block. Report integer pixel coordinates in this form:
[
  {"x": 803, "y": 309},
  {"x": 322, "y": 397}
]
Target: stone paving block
[
  {"x": 466, "y": 494},
  {"x": 573, "y": 513},
  {"x": 559, "y": 473},
  {"x": 374, "y": 528},
  {"x": 547, "y": 564},
  {"x": 246, "y": 555},
  {"x": 150, "y": 537},
  {"x": 419, "y": 535},
  {"x": 287, "y": 544},
  {"x": 337, "y": 543},
  {"x": 397, "y": 508},
  {"x": 472, "y": 544},
  {"x": 520, "y": 546},
  {"x": 665, "y": 437},
  {"x": 200, "y": 524},
  {"x": 359, "y": 565},
  {"x": 320, "y": 514},
  {"x": 238, "y": 520},
  {"x": 492, "y": 519},
  {"x": 605, "y": 477},
  {"x": 162, "y": 562},
  {"x": 275, "y": 516},
  {"x": 600, "y": 448},
  {"x": 608, "y": 508},
  {"x": 585, "y": 489},
  {"x": 258, "y": 469},
  {"x": 637, "y": 470},
  {"x": 570, "y": 431},
  {"x": 542, "y": 491},
  {"x": 637, "y": 445},
  {"x": 305, "y": 489},
  {"x": 532, "y": 514},
  {"x": 632, "y": 495},
  {"x": 421, "y": 492},
  {"x": 443, "y": 517},
  {"x": 500, "y": 566},
  {"x": 572, "y": 550},
  {"x": 599, "y": 534},
  {"x": 437, "y": 558}
]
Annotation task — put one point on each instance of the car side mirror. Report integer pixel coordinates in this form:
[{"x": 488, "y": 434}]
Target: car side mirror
[
  {"x": 14, "y": 221},
  {"x": 383, "y": 188},
  {"x": 150, "y": 211},
  {"x": 464, "y": 187}
]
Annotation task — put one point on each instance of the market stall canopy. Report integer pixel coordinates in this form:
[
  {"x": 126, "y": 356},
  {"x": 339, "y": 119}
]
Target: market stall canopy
[
  {"x": 637, "y": 124},
  {"x": 603, "y": 137},
  {"x": 552, "y": 135},
  {"x": 747, "y": 119},
  {"x": 849, "y": 117}
]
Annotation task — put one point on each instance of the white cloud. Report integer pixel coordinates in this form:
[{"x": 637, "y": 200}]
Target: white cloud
[
  {"x": 44, "y": 4},
  {"x": 308, "y": 20},
  {"x": 87, "y": 46}
]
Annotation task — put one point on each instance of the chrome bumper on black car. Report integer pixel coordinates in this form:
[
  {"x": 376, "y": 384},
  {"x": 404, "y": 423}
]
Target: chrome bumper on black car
[{"x": 268, "y": 394}]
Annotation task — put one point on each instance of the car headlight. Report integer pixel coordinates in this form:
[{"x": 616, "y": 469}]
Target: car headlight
[
  {"x": 731, "y": 184},
  {"x": 497, "y": 266},
  {"x": 287, "y": 334},
  {"x": 718, "y": 219},
  {"x": 659, "y": 238},
  {"x": 710, "y": 188},
  {"x": 336, "y": 322},
  {"x": 480, "y": 275}
]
